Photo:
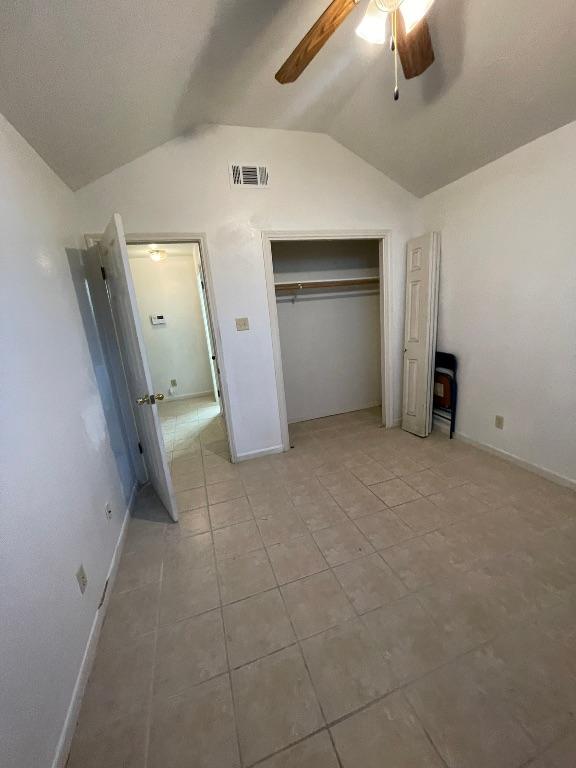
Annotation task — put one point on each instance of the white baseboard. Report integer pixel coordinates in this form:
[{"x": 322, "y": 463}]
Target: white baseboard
[
  {"x": 170, "y": 398},
  {"x": 365, "y": 407},
  {"x": 67, "y": 734},
  {"x": 256, "y": 454},
  {"x": 547, "y": 474}
]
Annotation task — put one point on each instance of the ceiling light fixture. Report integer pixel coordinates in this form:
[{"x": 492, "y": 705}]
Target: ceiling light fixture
[
  {"x": 156, "y": 253},
  {"x": 414, "y": 11},
  {"x": 372, "y": 28}
]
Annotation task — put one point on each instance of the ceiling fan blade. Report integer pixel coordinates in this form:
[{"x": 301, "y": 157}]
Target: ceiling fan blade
[
  {"x": 314, "y": 39},
  {"x": 414, "y": 48}
]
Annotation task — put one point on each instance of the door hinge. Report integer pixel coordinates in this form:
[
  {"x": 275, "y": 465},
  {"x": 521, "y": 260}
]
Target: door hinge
[
  {"x": 103, "y": 271},
  {"x": 140, "y": 448},
  {"x": 101, "y": 603}
]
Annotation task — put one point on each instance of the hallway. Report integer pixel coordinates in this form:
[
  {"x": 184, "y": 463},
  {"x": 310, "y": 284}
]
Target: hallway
[
  {"x": 190, "y": 423},
  {"x": 367, "y": 594}
]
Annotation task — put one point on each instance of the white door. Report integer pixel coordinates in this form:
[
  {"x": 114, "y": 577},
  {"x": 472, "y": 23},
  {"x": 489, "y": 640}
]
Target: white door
[
  {"x": 122, "y": 298},
  {"x": 420, "y": 322}
]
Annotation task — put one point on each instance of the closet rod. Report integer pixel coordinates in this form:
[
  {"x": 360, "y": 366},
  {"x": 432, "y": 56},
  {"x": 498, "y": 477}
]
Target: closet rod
[{"x": 343, "y": 283}]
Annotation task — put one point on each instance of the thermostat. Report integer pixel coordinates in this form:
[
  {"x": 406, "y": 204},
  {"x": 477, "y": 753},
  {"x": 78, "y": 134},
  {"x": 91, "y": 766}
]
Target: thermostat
[{"x": 158, "y": 319}]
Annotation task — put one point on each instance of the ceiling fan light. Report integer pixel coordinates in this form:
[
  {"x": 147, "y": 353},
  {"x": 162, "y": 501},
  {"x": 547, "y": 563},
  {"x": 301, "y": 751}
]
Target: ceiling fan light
[
  {"x": 372, "y": 28},
  {"x": 413, "y": 11}
]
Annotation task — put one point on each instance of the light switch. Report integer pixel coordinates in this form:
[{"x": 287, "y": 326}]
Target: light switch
[{"x": 242, "y": 324}]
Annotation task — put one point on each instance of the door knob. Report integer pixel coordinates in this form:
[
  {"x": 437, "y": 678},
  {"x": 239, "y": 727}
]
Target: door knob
[{"x": 150, "y": 399}]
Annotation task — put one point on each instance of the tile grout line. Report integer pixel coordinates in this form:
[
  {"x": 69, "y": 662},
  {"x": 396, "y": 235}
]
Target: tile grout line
[
  {"x": 298, "y": 644},
  {"x": 541, "y": 752},
  {"x": 424, "y": 730},
  {"x": 225, "y": 638},
  {"x": 289, "y": 746},
  {"x": 151, "y": 693},
  {"x": 458, "y": 657}
]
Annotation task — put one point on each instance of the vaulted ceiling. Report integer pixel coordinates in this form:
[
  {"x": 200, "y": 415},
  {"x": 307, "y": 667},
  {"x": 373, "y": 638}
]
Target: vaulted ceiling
[{"x": 93, "y": 85}]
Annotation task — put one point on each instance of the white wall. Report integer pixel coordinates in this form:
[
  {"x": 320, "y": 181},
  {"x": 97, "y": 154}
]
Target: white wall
[
  {"x": 508, "y": 298},
  {"x": 330, "y": 341},
  {"x": 177, "y": 350},
  {"x": 316, "y": 184},
  {"x": 58, "y": 469}
]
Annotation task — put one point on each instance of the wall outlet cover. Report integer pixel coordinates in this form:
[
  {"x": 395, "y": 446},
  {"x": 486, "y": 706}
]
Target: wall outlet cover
[
  {"x": 499, "y": 422},
  {"x": 242, "y": 324},
  {"x": 173, "y": 383},
  {"x": 82, "y": 579}
]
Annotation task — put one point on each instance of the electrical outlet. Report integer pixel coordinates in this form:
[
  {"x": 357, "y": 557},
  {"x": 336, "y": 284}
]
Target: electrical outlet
[
  {"x": 499, "y": 422},
  {"x": 242, "y": 324},
  {"x": 108, "y": 511},
  {"x": 173, "y": 383},
  {"x": 82, "y": 579}
]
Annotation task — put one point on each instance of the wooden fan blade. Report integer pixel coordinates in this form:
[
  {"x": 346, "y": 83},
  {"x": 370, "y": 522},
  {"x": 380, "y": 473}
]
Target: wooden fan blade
[
  {"x": 314, "y": 39},
  {"x": 414, "y": 48}
]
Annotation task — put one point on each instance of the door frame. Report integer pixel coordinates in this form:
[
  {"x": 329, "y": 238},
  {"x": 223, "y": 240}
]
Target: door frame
[
  {"x": 199, "y": 238},
  {"x": 384, "y": 238}
]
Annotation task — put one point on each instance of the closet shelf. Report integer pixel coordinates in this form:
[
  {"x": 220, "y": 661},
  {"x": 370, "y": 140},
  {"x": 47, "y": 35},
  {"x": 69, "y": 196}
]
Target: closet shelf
[{"x": 355, "y": 282}]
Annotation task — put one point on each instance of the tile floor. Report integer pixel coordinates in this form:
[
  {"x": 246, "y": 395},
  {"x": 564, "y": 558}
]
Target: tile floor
[
  {"x": 191, "y": 423},
  {"x": 368, "y": 600}
]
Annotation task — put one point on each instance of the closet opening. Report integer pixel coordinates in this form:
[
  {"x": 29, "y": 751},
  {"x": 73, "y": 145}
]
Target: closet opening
[{"x": 329, "y": 306}]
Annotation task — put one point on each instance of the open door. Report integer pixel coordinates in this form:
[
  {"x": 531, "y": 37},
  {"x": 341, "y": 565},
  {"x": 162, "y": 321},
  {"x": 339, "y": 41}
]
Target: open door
[
  {"x": 420, "y": 323},
  {"x": 122, "y": 297}
]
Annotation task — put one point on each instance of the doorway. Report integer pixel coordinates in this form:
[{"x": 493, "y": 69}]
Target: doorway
[
  {"x": 329, "y": 305},
  {"x": 178, "y": 335},
  {"x": 192, "y": 427}
]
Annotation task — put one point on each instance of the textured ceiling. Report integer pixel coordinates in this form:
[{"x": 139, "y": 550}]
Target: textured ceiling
[{"x": 93, "y": 85}]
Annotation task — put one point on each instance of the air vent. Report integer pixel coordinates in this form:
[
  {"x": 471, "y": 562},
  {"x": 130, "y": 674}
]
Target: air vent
[{"x": 249, "y": 175}]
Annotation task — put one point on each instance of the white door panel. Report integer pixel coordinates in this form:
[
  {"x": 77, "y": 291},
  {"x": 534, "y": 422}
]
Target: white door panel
[
  {"x": 100, "y": 299},
  {"x": 422, "y": 268},
  {"x": 124, "y": 307}
]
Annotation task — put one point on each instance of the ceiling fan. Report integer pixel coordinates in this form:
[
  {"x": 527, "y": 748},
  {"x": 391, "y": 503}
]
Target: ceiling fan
[{"x": 409, "y": 35}]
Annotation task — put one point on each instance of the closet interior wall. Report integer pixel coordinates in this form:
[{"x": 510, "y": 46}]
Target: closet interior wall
[{"x": 329, "y": 336}]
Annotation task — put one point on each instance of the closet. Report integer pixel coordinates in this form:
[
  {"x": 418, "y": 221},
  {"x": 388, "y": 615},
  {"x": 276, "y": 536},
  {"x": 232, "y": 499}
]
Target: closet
[{"x": 328, "y": 307}]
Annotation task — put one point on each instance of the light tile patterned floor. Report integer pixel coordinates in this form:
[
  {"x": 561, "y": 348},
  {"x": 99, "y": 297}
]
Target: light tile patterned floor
[
  {"x": 191, "y": 423},
  {"x": 368, "y": 600}
]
